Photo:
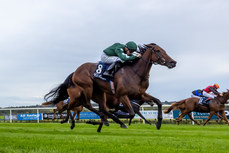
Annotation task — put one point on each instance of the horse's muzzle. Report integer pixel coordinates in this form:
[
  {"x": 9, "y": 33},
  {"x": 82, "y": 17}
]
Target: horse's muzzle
[{"x": 171, "y": 64}]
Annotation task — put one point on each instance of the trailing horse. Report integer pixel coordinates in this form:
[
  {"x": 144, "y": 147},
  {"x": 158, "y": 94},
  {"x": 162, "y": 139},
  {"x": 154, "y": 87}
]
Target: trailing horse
[
  {"x": 60, "y": 106},
  {"x": 186, "y": 106}
]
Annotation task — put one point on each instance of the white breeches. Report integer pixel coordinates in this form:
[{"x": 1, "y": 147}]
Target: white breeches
[
  {"x": 110, "y": 59},
  {"x": 208, "y": 95},
  {"x": 194, "y": 96}
]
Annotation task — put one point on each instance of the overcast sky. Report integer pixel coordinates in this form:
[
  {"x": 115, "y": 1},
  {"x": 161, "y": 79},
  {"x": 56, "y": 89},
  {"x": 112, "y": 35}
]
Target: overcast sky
[{"x": 43, "y": 41}]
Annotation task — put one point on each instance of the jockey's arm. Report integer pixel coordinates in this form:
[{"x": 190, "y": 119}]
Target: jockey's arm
[
  {"x": 214, "y": 91},
  {"x": 120, "y": 53}
]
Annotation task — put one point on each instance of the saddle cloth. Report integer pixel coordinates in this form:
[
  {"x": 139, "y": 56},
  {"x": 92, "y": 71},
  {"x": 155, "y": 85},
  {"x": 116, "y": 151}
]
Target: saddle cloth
[
  {"x": 205, "y": 101},
  {"x": 100, "y": 69}
]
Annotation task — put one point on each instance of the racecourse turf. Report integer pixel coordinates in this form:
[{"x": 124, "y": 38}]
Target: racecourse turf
[{"x": 138, "y": 138}]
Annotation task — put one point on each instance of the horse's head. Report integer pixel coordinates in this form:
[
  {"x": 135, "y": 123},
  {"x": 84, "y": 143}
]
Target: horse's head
[
  {"x": 223, "y": 97},
  {"x": 159, "y": 56}
]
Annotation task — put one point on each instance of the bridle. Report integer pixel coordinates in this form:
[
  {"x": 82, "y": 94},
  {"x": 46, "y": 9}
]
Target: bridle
[{"x": 160, "y": 59}]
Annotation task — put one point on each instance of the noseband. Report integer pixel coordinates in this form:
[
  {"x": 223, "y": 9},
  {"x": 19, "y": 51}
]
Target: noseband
[{"x": 160, "y": 59}]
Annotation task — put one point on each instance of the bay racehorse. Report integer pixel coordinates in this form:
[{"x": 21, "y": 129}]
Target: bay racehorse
[
  {"x": 131, "y": 81},
  {"x": 60, "y": 93},
  {"x": 186, "y": 106}
]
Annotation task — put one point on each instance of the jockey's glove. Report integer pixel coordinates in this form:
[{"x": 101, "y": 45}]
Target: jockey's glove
[{"x": 135, "y": 54}]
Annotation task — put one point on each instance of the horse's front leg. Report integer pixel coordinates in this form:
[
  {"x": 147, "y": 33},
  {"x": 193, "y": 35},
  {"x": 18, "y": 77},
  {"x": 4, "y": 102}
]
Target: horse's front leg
[
  {"x": 224, "y": 116},
  {"x": 209, "y": 117},
  {"x": 103, "y": 108},
  {"x": 147, "y": 97}
]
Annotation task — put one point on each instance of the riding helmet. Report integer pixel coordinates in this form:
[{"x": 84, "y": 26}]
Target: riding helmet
[
  {"x": 132, "y": 46},
  {"x": 216, "y": 85}
]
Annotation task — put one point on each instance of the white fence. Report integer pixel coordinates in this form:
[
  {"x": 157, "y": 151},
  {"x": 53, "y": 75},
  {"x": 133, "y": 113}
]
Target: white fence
[
  {"x": 49, "y": 108},
  {"x": 145, "y": 113}
]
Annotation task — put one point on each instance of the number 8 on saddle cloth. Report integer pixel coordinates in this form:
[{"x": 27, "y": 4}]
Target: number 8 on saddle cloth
[{"x": 100, "y": 69}]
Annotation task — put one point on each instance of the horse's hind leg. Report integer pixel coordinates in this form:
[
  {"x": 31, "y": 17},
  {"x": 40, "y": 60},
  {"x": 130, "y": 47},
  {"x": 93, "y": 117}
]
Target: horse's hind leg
[
  {"x": 180, "y": 117},
  {"x": 78, "y": 116},
  {"x": 143, "y": 117},
  {"x": 126, "y": 103},
  {"x": 66, "y": 118},
  {"x": 105, "y": 110},
  {"x": 74, "y": 94},
  {"x": 85, "y": 100},
  {"x": 190, "y": 116},
  {"x": 218, "y": 117},
  {"x": 73, "y": 120},
  {"x": 54, "y": 114}
]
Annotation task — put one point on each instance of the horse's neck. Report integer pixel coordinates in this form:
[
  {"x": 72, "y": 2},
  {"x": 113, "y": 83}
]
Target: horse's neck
[
  {"x": 226, "y": 98},
  {"x": 223, "y": 99},
  {"x": 143, "y": 66}
]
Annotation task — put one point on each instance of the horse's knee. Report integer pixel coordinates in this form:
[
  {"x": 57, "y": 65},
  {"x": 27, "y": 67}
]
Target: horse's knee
[
  {"x": 160, "y": 118},
  {"x": 132, "y": 114}
]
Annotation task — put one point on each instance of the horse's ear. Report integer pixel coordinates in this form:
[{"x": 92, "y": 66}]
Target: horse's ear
[
  {"x": 147, "y": 45},
  {"x": 227, "y": 90},
  {"x": 150, "y": 45}
]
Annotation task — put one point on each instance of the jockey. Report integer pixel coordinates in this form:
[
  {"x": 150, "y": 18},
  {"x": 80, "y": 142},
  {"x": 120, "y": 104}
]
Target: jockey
[
  {"x": 118, "y": 54},
  {"x": 197, "y": 93},
  {"x": 212, "y": 89}
]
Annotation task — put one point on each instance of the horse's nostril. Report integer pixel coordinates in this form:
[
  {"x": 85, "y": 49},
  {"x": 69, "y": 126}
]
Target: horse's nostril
[{"x": 173, "y": 63}]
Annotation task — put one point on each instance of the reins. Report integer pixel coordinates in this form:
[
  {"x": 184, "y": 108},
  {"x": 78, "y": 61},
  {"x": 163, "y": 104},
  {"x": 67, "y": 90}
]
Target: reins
[
  {"x": 148, "y": 62},
  {"x": 160, "y": 59}
]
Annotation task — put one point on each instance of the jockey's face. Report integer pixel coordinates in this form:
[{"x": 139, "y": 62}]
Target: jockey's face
[{"x": 127, "y": 51}]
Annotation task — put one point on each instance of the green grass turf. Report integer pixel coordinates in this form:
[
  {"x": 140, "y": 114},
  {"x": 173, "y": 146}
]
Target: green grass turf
[{"x": 138, "y": 138}]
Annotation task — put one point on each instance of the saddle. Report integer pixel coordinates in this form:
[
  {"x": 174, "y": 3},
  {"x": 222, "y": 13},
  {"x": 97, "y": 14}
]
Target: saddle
[{"x": 205, "y": 101}]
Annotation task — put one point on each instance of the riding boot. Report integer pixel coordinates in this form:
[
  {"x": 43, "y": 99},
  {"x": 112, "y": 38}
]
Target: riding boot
[
  {"x": 114, "y": 67},
  {"x": 118, "y": 65},
  {"x": 110, "y": 71}
]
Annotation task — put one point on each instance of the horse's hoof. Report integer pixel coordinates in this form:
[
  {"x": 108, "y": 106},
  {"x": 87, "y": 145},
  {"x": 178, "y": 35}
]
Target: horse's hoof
[
  {"x": 106, "y": 123},
  {"x": 158, "y": 125},
  {"x": 124, "y": 126},
  {"x": 72, "y": 127},
  {"x": 62, "y": 122}
]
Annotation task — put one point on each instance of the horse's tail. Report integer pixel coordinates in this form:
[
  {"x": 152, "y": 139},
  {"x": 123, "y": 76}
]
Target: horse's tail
[
  {"x": 47, "y": 103},
  {"x": 60, "y": 93},
  {"x": 174, "y": 106}
]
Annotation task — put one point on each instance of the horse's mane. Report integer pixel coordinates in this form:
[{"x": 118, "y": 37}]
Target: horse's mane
[
  {"x": 142, "y": 50},
  {"x": 143, "y": 47}
]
